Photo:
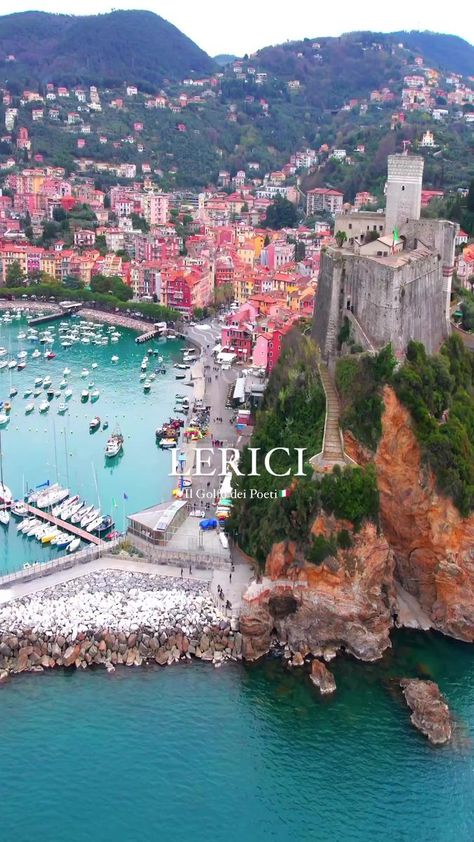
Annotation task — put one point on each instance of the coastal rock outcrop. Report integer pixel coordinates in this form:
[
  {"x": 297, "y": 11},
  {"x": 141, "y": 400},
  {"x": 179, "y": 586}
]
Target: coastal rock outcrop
[
  {"x": 432, "y": 543},
  {"x": 430, "y": 713},
  {"x": 322, "y": 678},
  {"x": 345, "y": 603}
]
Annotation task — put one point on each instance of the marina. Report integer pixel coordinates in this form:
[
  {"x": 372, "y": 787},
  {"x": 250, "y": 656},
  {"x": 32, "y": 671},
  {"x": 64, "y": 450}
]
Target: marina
[
  {"x": 63, "y": 525},
  {"x": 46, "y": 429}
]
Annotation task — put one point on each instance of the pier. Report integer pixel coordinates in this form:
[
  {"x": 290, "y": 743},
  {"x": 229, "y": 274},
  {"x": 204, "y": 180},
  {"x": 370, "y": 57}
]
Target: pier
[
  {"x": 64, "y": 313},
  {"x": 146, "y": 337},
  {"x": 62, "y": 524}
]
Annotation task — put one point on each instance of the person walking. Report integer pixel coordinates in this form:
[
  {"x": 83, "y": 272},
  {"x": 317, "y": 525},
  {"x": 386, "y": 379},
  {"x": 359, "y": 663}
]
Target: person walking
[{"x": 181, "y": 572}]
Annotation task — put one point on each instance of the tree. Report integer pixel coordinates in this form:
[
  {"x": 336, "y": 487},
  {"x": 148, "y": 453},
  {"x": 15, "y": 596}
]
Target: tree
[
  {"x": 300, "y": 251},
  {"x": 139, "y": 223},
  {"x": 15, "y": 276},
  {"x": 71, "y": 282},
  {"x": 112, "y": 285},
  {"x": 470, "y": 197},
  {"x": 341, "y": 238},
  {"x": 281, "y": 214}
]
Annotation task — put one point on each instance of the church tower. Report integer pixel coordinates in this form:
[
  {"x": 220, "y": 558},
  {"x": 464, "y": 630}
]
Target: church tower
[{"x": 405, "y": 178}]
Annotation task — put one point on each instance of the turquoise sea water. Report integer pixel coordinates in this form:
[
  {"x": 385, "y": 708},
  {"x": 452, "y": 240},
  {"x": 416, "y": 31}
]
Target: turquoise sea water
[
  {"x": 193, "y": 753},
  {"x": 240, "y": 753},
  {"x": 39, "y": 447}
]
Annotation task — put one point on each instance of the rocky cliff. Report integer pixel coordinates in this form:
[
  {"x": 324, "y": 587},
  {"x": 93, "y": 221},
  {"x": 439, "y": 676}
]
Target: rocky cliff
[
  {"x": 432, "y": 544},
  {"x": 343, "y": 604}
]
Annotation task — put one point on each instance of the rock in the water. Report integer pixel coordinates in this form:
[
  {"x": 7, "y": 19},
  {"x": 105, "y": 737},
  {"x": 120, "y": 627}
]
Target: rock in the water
[
  {"x": 322, "y": 678},
  {"x": 430, "y": 713}
]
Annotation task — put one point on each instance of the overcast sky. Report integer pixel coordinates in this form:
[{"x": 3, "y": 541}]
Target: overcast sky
[{"x": 244, "y": 26}]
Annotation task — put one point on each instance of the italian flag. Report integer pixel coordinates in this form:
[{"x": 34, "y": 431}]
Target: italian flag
[{"x": 285, "y": 493}]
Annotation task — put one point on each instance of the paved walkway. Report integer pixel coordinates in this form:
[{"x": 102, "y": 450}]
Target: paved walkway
[{"x": 233, "y": 588}]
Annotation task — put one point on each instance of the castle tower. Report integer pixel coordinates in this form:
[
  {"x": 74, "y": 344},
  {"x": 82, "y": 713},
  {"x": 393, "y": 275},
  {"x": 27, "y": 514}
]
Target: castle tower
[{"x": 405, "y": 178}]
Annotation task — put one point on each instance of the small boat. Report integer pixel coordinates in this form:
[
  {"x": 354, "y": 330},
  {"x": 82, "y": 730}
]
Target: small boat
[
  {"x": 94, "y": 524},
  {"x": 64, "y": 540},
  {"x": 105, "y": 425},
  {"x": 143, "y": 376},
  {"x": 66, "y": 371},
  {"x": 74, "y": 545},
  {"x": 4, "y": 419},
  {"x": 167, "y": 444},
  {"x": 82, "y": 513},
  {"x": 26, "y": 524},
  {"x": 3, "y": 351},
  {"x": 62, "y": 408},
  {"x": 44, "y": 406},
  {"x": 36, "y": 354},
  {"x": 12, "y": 364},
  {"x": 85, "y": 372},
  {"x": 115, "y": 359},
  {"x": 29, "y": 408},
  {"x": 90, "y": 384},
  {"x": 47, "y": 382},
  {"x": 180, "y": 376},
  {"x": 7, "y": 406},
  {"x": 89, "y": 517},
  {"x": 68, "y": 394},
  {"x": 146, "y": 386},
  {"x": 27, "y": 393},
  {"x": 95, "y": 395},
  {"x": 39, "y": 381},
  {"x": 85, "y": 395},
  {"x": 19, "y": 508},
  {"x": 13, "y": 392},
  {"x": 4, "y": 517},
  {"x": 63, "y": 384},
  {"x": 3, "y": 365},
  {"x": 94, "y": 424},
  {"x": 21, "y": 366},
  {"x": 152, "y": 376},
  {"x": 22, "y": 355},
  {"x": 105, "y": 525},
  {"x": 48, "y": 536},
  {"x": 50, "y": 355},
  {"x": 114, "y": 445},
  {"x": 94, "y": 365}
]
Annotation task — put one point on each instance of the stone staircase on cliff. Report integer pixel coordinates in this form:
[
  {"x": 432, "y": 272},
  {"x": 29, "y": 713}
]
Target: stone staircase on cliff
[{"x": 332, "y": 452}]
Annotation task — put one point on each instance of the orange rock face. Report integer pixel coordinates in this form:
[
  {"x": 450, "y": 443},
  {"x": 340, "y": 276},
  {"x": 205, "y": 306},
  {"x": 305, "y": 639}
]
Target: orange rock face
[
  {"x": 344, "y": 603},
  {"x": 432, "y": 544}
]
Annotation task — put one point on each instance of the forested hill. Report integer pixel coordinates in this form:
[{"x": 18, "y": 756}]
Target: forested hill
[
  {"x": 331, "y": 69},
  {"x": 134, "y": 46}
]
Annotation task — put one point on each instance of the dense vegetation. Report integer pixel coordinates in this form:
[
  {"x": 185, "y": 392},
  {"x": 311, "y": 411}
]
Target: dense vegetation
[
  {"x": 292, "y": 416},
  {"x": 137, "y": 47},
  {"x": 359, "y": 381},
  {"x": 439, "y": 392},
  {"x": 104, "y": 300}
]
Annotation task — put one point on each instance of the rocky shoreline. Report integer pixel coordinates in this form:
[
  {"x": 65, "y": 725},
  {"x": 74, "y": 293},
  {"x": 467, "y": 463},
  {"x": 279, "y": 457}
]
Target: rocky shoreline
[{"x": 110, "y": 618}]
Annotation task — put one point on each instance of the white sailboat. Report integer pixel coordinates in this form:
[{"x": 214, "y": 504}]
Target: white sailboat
[{"x": 5, "y": 493}]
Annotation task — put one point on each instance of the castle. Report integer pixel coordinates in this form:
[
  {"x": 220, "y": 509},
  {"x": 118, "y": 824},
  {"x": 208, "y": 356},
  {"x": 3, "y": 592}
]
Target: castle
[{"x": 390, "y": 274}]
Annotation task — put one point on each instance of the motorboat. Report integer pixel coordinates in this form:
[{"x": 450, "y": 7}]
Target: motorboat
[
  {"x": 3, "y": 351},
  {"x": 39, "y": 381},
  {"x": 68, "y": 394},
  {"x": 50, "y": 355},
  {"x": 114, "y": 445},
  {"x": 94, "y": 524},
  {"x": 89, "y": 517},
  {"x": 85, "y": 395},
  {"x": 94, "y": 365},
  {"x": 62, "y": 408},
  {"x": 36, "y": 353},
  {"x": 105, "y": 425},
  {"x": 105, "y": 525},
  {"x": 142, "y": 376},
  {"x": 27, "y": 393},
  {"x": 66, "y": 371},
  {"x": 115, "y": 359},
  {"x": 22, "y": 355},
  {"x": 63, "y": 540},
  {"x": 95, "y": 395},
  {"x": 44, "y": 406},
  {"x": 74, "y": 545},
  {"x": 4, "y": 419},
  {"x": 13, "y": 391},
  {"x": 49, "y": 534},
  {"x": 167, "y": 444},
  {"x": 94, "y": 424},
  {"x": 147, "y": 386},
  {"x": 4, "y": 517},
  {"x": 3, "y": 365},
  {"x": 47, "y": 382},
  {"x": 63, "y": 384},
  {"x": 29, "y": 408},
  {"x": 85, "y": 372},
  {"x": 19, "y": 508}
]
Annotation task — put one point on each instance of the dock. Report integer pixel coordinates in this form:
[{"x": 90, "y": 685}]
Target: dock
[
  {"x": 146, "y": 337},
  {"x": 64, "y": 313},
  {"x": 63, "y": 524}
]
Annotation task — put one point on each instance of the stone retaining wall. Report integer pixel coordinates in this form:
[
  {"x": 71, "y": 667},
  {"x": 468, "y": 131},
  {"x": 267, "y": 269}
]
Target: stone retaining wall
[{"x": 28, "y": 651}]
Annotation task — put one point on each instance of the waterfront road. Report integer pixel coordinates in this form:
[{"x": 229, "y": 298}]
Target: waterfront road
[{"x": 233, "y": 589}]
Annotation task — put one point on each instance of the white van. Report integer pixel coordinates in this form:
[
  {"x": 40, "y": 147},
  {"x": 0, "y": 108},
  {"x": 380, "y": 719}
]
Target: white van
[{"x": 224, "y": 540}]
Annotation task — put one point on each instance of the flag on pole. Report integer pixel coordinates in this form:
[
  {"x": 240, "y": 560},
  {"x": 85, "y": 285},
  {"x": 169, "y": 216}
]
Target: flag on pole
[{"x": 284, "y": 493}]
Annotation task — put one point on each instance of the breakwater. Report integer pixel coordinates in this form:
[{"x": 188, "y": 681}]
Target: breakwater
[{"x": 110, "y": 618}]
